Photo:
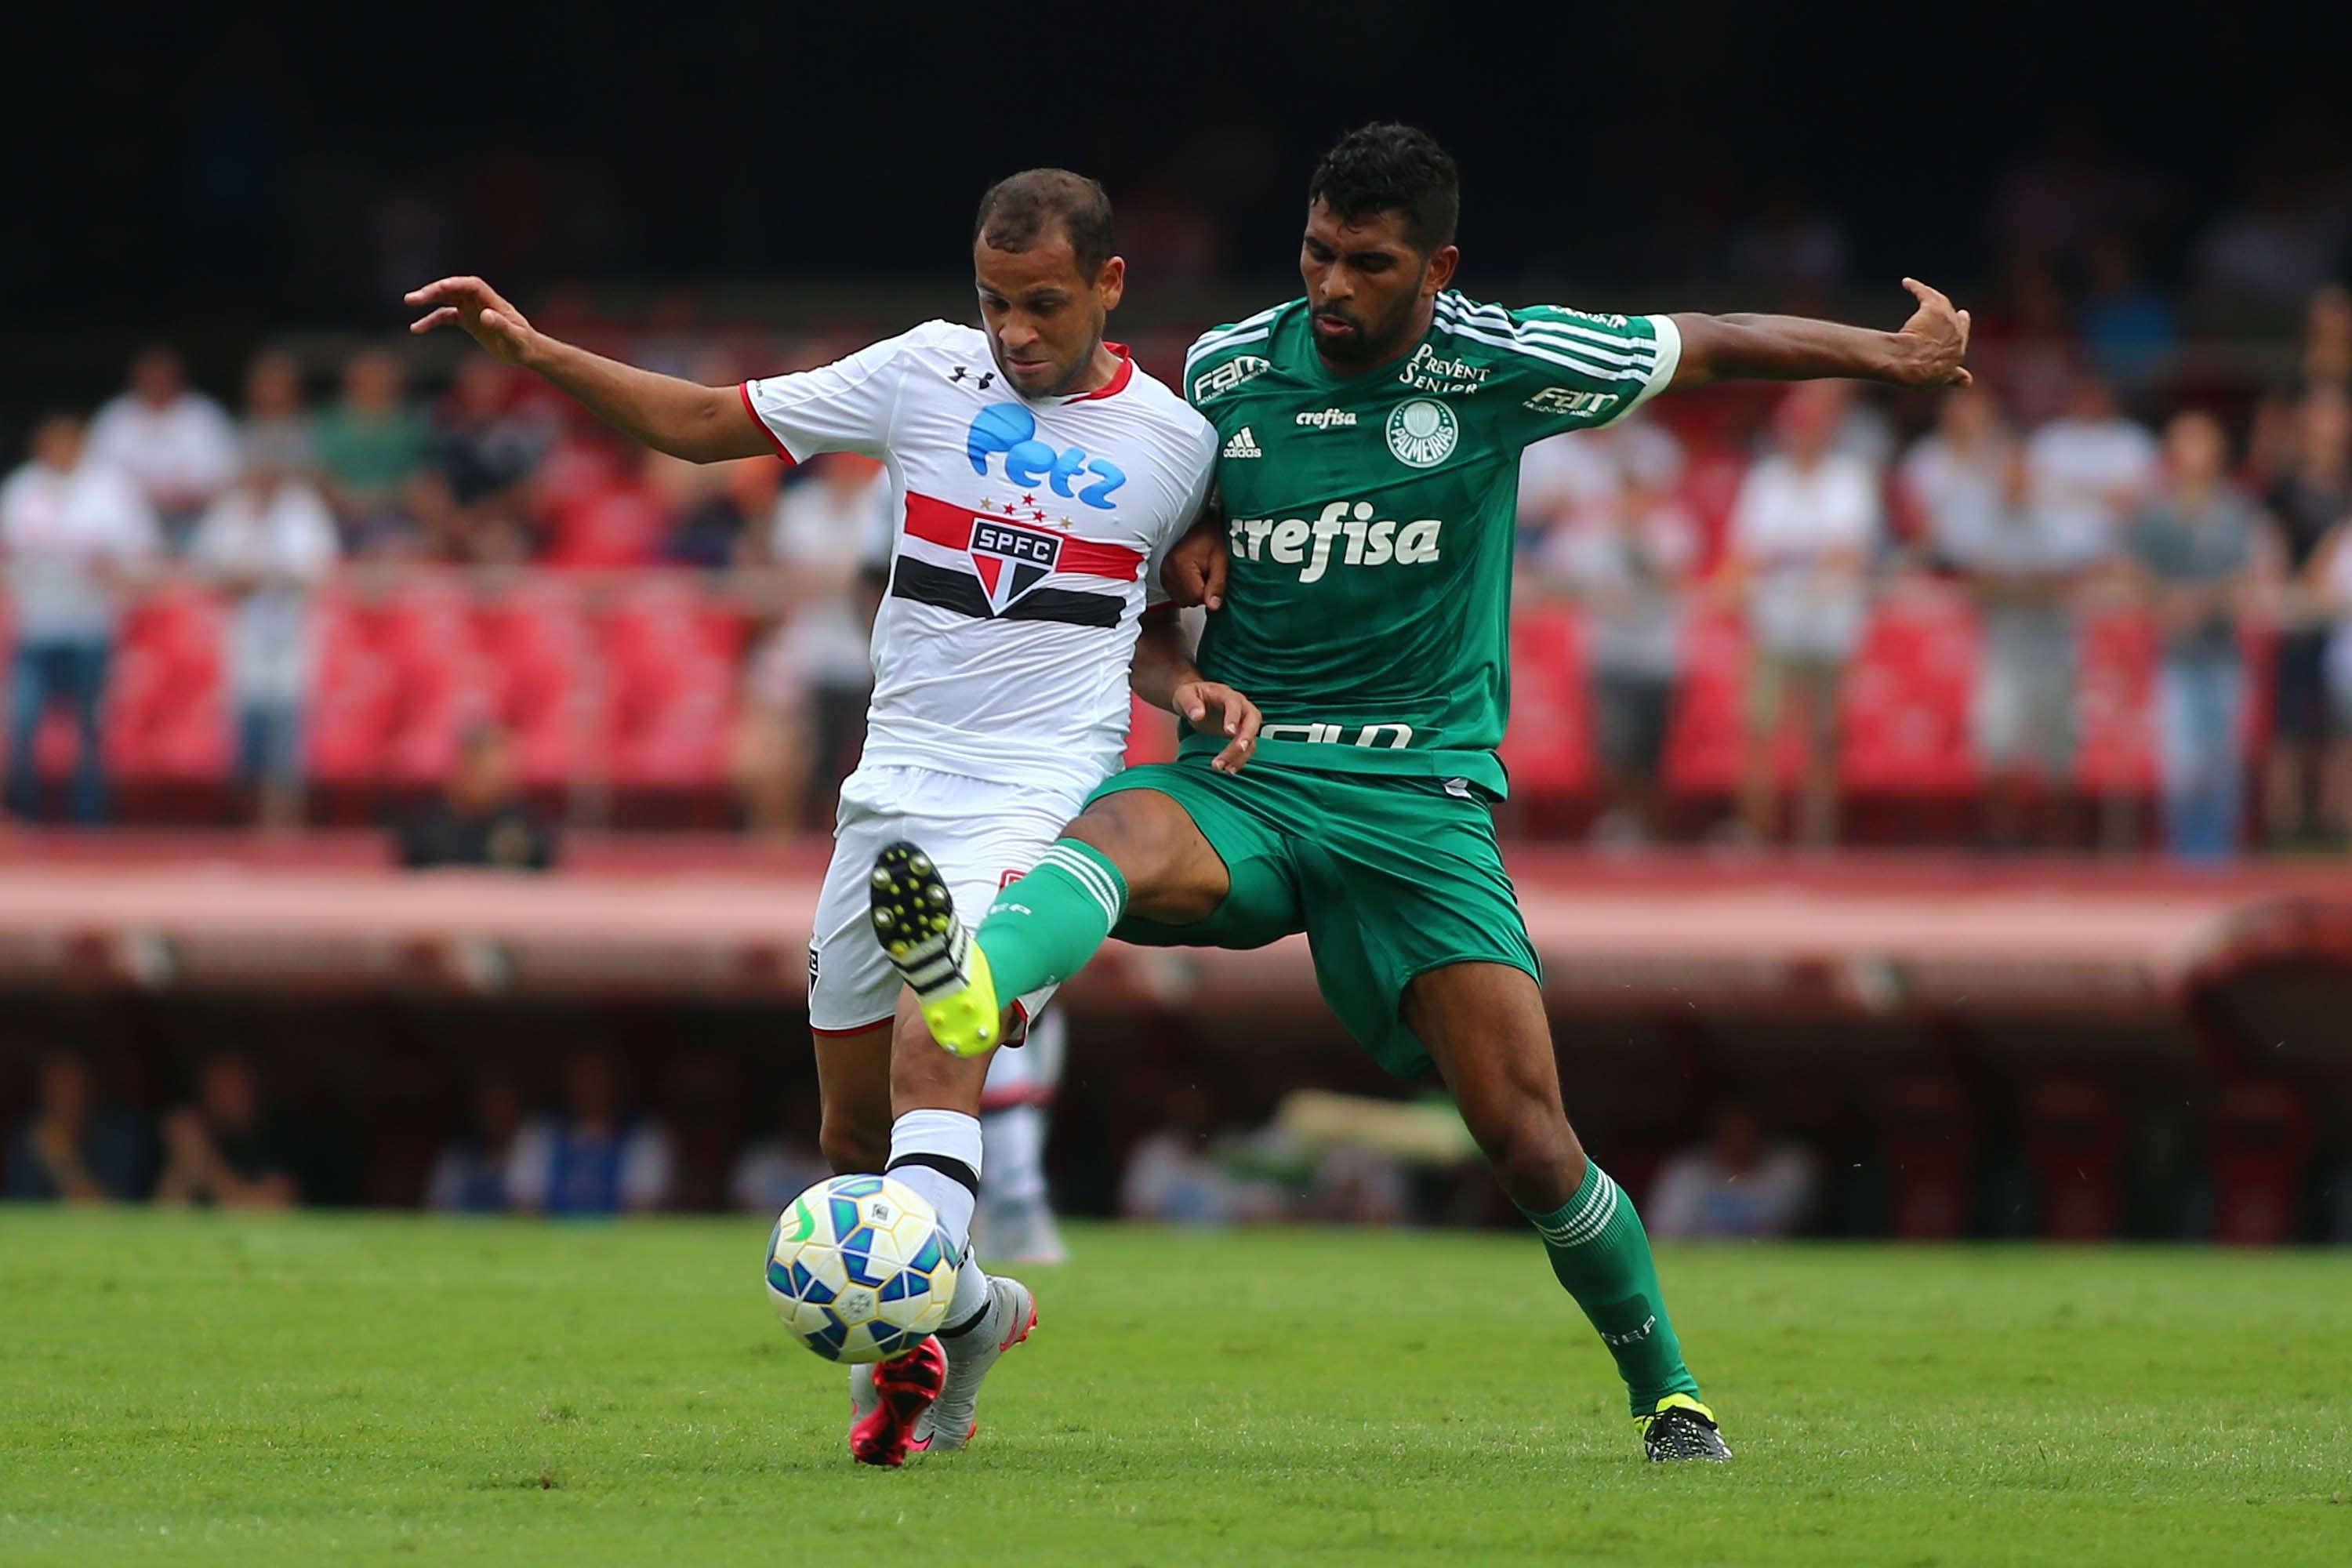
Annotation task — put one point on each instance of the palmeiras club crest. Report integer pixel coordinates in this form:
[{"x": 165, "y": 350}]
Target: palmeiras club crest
[{"x": 1010, "y": 560}]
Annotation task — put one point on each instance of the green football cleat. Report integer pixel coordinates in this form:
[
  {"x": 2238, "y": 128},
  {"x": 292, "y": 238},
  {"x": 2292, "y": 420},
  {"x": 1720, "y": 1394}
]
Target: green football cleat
[
  {"x": 915, "y": 921},
  {"x": 1681, "y": 1428}
]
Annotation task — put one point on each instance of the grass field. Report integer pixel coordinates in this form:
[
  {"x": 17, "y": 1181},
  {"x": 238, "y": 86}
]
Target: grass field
[{"x": 191, "y": 1388}]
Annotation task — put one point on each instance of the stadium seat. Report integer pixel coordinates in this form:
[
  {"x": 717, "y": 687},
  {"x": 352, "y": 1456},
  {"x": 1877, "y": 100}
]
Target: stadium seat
[
  {"x": 2258, "y": 1145},
  {"x": 167, "y": 720},
  {"x": 2116, "y": 706},
  {"x": 1904, "y": 715},
  {"x": 1549, "y": 748},
  {"x": 670, "y": 655}
]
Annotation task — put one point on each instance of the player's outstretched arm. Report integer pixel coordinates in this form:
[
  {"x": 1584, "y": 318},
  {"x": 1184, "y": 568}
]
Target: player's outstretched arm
[
  {"x": 1164, "y": 675},
  {"x": 701, "y": 424},
  {"x": 1927, "y": 353}
]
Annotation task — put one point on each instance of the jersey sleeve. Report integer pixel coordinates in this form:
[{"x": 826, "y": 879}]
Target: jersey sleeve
[
  {"x": 1198, "y": 484},
  {"x": 1569, "y": 370},
  {"x": 845, "y": 406}
]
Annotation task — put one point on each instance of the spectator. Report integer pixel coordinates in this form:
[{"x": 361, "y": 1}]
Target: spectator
[
  {"x": 1801, "y": 534},
  {"x": 73, "y": 531},
  {"x": 1735, "y": 1184},
  {"x": 177, "y": 445},
  {"x": 72, "y": 1148},
  {"x": 481, "y": 818},
  {"x": 488, "y": 439},
  {"x": 2126, "y": 325},
  {"x": 1629, "y": 559},
  {"x": 2194, "y": 545},
  {"x": 808, "y": 682},
  {"x": 593, "y": 1159},
  {"x": 371, "y": 446},
  {"x": 225, "y": 1149},
  {"x": 268, "y": 541},
  {"x": 707, "y": 500},
  {"x": 2022, "y": 565},
  {"x": 276, "y": 426},
  {"x": 2088, "y": 470},
  {"x": 1180, "y": 1174},
  {"x": 771, "y": 1172},
  {"x": 2332, "y": 572},
  {"x": 2305, "y": 507},
  {"x": 470, "y": 1174}
]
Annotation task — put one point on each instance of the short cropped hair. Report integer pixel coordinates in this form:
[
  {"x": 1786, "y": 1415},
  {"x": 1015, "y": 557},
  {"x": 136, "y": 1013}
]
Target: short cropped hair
[
  {"x": 1386, "y": 167},
  {"x": 1020, "y": 209}
]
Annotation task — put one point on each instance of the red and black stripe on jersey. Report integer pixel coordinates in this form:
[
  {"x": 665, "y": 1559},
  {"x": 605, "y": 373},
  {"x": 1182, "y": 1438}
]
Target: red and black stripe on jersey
[{"x": 1004, "y": 560}]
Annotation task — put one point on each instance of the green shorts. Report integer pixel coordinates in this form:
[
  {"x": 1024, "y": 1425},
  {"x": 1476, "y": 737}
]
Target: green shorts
[{"x": 1388, "y": 877}]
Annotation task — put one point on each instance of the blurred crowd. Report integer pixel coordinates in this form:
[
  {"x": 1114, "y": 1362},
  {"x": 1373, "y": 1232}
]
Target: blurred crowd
[
  {"x": 2087, "y": 475},
  {"x": 598, "y": 1132}
]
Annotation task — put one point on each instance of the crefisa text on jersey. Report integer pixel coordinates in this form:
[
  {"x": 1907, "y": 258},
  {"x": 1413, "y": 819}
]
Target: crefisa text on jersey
[{"x": 1295, "y": 541}]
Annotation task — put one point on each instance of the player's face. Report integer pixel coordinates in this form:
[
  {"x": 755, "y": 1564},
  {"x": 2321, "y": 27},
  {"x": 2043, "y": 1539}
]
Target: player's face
[
  {"x": 1368, "y": 287},
  {"x": 1043, "y": 316}
]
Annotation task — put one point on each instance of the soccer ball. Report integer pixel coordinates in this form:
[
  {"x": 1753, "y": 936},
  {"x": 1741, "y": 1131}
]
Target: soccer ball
[{"x": 859, "y": 1269}]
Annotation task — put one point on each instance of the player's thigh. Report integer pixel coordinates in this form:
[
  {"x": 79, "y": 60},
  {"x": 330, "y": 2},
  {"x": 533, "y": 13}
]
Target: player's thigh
[
  {"x": 1484, "y": 1024},
  {"x": 852, "y": 986},
  {"x": 853, "y": 1075},
  {"x": 1174, "y": 876}
]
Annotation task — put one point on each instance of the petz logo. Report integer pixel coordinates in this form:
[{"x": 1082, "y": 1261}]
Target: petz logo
[{"x": 1011, "y": 430}]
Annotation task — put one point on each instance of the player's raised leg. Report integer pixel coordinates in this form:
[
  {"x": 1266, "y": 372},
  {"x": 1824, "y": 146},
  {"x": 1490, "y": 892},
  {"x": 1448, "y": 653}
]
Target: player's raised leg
[
  {"x": 1135, "y": 851},
  {"x": 1484, "y": 1024}
]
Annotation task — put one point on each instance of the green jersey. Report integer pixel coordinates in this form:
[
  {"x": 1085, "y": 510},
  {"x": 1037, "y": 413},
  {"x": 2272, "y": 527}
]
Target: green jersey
[{"x": 1369, "y": 609}]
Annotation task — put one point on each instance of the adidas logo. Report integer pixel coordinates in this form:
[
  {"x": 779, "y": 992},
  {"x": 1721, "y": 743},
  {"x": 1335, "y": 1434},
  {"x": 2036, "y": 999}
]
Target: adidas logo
[{"x": 1244, "y": 445}]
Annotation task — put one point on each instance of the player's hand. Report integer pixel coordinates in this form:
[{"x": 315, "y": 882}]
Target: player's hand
[
  {"x": 481, "y": 310},
  {"x": 1934, "y": 340},
  {"x": 1194, "y": 572},
  {"x": 1214, "y": 708}
]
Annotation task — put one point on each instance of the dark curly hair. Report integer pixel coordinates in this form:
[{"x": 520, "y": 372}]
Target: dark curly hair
[
  {"x": 1018, "y": 210},
  {"x": 1386, "y": 167}
]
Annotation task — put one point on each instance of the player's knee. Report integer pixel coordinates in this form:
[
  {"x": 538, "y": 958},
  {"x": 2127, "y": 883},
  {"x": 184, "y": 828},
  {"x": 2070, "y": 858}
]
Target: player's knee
[
  {"x": 851, "y": 1145},
  {"x": 1535, "y": 1155}
]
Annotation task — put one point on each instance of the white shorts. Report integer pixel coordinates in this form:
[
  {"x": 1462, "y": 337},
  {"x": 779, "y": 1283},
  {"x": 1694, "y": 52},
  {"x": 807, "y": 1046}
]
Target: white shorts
[{"x": 979, "y": 835}]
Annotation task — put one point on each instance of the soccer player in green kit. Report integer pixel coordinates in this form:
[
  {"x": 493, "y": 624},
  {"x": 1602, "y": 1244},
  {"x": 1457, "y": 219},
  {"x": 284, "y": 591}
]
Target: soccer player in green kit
[{"x": 1369, "y": 438}]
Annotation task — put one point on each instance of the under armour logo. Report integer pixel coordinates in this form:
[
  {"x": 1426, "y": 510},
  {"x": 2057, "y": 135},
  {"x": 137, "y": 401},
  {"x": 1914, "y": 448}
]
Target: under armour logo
[{"x": 986, "y": 377}]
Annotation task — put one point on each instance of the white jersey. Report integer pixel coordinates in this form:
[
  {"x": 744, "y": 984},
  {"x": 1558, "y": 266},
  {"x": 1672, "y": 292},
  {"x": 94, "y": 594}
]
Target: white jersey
[{"x": 1029, "y": 538}]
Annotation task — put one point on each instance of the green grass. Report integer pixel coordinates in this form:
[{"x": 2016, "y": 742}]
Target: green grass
[{"x": 189, "y": 1388}]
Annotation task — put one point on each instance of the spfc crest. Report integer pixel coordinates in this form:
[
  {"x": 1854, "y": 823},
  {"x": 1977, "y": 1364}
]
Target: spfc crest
[{"x": 1010, "y": 560}]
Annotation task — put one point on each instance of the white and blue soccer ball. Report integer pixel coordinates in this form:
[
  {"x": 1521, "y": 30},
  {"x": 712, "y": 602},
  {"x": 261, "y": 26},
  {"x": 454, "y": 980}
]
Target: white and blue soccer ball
[{"x": 859, "y": 1269}]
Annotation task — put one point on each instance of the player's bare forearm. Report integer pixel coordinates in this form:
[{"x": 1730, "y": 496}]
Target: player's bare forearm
[
  {"x": 1163, "y": 658},
  {"x": 1927, "y": 352},
  {"x": 1164, "y": 675},
  {"x": 683, "y": 418}
]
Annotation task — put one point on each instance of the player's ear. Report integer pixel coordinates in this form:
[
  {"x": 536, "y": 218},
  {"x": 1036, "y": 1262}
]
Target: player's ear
[
  {"x": 1439, "y": 274},
  {"x": 1112, "y": 282}
]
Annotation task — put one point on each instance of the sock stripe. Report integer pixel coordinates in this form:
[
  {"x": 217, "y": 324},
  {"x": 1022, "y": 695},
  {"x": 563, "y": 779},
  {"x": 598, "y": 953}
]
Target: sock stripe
[
  {"x": 1591, "y": 1216},
  {"x": 1088, "y": 875},
  {"x": 953, "y": 1169}
]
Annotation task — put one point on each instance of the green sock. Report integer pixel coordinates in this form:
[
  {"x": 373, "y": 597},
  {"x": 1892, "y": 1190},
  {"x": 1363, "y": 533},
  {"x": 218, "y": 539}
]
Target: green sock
[
  {"x": 1602, "y": 1255},
  {"x": 1044, "y": 928}
]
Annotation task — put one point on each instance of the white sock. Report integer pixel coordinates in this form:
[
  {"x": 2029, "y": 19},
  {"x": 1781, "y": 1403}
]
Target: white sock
[
  {"x": 1015, "y": 1137},
  {"x": 936, "y": 1153}
]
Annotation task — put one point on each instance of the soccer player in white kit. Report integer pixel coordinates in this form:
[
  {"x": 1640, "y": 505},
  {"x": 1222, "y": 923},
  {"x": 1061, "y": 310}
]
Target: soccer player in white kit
[{"x": 1038, "y": 477}]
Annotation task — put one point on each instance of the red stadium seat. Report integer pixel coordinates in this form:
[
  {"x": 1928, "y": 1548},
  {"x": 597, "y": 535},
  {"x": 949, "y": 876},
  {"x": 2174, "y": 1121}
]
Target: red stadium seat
[
  {"x": 536, "y": 672},
  {"x": 1905, "y": 720},
  {"x": 167, "y": 719},
  {"x": 671, "y": 659},
  {"x": 2258, "y": 1144},
  {"x": 1549, "y": 748},
  {"x": 2074, "y": 1136},
  {"x": 2116, "y": 706}
]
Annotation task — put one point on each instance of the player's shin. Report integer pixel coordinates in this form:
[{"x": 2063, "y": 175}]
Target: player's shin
[
  {"x": 1044, "y": 928},
  {"x": 938, "y": 1154},
  {"x": 1602, "y": 1257}
]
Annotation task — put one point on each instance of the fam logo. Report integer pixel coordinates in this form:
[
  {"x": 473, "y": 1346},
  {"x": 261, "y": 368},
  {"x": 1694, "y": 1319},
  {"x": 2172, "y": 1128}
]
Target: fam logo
[
  {"x": 1010, "y": 430},
  {"x": 1010, "y": 560},
  {"x": 1422, "y": 433},
  {"x": 1228, "y": 375},
  {"x": 1571, "y": 400}
]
